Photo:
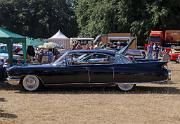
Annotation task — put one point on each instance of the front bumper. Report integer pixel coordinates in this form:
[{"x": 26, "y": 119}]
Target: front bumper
[{"x": 13, "y": 81}]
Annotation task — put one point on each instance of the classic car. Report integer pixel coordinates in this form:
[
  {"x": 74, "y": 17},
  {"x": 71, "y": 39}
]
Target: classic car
[
  {"x": 89, "y": 67},
  {"x": 178, "y": 59},
  {"x": 174, "y": 54}
]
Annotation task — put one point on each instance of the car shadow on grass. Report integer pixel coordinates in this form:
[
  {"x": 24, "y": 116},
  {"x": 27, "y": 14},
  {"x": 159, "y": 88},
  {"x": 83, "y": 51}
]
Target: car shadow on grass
[
  {"x": 5, "y": 115},
  {"x": 6, "y": 86},
  {"x": 104, "y": 90},
  {"x": 95, "y": 89}
]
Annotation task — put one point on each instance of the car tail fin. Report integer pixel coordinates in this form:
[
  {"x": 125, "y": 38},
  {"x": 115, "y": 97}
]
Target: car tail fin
[{"x": 164, "y": 65}]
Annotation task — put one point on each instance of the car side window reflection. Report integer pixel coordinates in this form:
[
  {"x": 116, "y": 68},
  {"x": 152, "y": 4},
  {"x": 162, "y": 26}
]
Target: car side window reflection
[
  {"x": 89, "y": 58},
  {"x": 120, "y": 59}
]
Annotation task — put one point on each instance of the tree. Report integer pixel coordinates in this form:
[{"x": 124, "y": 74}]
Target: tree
[
  {"x": 136, "y": 16},
  {"x": 38, "y": 18}
]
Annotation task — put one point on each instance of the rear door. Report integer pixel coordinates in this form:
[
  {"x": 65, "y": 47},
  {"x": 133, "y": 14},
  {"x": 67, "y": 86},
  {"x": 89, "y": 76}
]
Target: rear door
[
  {"x": 100, "y": 68},
  {"x": 100, "y": 73}
]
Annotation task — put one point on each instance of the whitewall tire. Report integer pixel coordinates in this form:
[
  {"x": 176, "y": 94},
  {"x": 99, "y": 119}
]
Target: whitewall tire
[
  {"x": 125, "y": 87},
  {"x": 30, "y": 83}
]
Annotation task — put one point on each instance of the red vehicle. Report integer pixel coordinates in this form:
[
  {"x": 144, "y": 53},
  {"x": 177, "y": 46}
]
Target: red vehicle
[
  {"x": 166, "y": 38},
  {"x": 178, "y": 59},
  {"x": 174, "y": 53}
]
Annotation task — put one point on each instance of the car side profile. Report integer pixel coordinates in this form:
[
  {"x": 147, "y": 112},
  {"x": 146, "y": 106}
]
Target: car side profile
[{"x": 89, "y": 67}]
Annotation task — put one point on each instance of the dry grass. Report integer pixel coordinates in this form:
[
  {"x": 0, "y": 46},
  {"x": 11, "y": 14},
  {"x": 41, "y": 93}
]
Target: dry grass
[{"x": 147, "y": 104}]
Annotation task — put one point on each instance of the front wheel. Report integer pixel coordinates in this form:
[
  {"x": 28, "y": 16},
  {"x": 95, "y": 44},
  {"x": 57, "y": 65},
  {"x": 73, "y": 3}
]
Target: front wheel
[
  {"x": 31, "y": 83},
  {"x": 125, "y": 87}
]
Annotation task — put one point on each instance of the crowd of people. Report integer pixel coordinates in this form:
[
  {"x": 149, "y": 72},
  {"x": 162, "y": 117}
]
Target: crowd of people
[
  {"x": 48, "y": 55},
  {"x": 78, "y": 46},
  {"x": 153, "y": 50},
  {"x": 41, "y": 55}
]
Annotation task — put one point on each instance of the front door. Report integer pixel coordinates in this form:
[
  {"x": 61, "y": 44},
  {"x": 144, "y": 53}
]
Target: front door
[{"x": 68, "y": 74}]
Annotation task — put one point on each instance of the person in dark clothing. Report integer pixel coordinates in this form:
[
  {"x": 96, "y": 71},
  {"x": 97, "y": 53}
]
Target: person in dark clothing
[
  {"x": 56, "y": 54},
  {"x": 30, "y": 53},
  {"x": 156, "y": 50}
]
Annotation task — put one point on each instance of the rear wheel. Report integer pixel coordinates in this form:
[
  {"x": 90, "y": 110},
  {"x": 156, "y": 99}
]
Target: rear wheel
[
  {"x": 31, "y": 83},
  {"x": 125, "y": 87}
]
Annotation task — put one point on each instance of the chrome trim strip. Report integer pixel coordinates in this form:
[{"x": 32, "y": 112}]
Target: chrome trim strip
[
  {"x": 89, "y": 77},
  {"x": 13, "y": 81},
  {"x": 112, "y": 83}
]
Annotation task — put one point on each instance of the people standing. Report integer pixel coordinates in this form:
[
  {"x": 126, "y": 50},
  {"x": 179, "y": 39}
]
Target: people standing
[
  {"x": 30, "y": 53},
  {"x": 56, "y": 54},
  {"x": 50, "y": 55},
  {"x": 156, "y": 51},
  {"x": 150, "y": 50},
  {"x": 78, "y": 47}
]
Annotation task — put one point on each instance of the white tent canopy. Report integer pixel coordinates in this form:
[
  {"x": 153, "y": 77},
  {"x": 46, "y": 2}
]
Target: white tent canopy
[{"x": 60, "y": 39}]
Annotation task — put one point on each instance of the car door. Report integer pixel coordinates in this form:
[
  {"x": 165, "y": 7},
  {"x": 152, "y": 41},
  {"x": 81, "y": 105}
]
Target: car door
[
  {"x": 66, "y": 72},
  {"x": 100, "y": 68},
  {"x": 100, "y": 73},
  {"x": 73, "y": 74}
]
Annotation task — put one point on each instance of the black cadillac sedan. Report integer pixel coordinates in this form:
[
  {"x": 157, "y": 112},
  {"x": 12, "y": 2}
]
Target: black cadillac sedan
[{"x": 89, "y": 67}]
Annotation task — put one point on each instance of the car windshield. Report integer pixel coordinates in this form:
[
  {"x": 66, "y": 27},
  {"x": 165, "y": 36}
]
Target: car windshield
[{"x": 61, "y": 59}]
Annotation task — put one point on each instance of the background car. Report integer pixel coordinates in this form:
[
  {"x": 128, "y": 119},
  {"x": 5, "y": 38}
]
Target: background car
[
  {"x": 136, "y": 54},
  {"x": 5, "y": 57},
  {"x": 4, "y": 53},
  {"x": 174, "y": 54},
  {"x": 178, "y": 59}
]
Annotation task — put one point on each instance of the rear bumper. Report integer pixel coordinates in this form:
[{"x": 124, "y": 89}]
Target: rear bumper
[
  {"x": 169, "y": 74},
  {"x": 13, "y": 81}
]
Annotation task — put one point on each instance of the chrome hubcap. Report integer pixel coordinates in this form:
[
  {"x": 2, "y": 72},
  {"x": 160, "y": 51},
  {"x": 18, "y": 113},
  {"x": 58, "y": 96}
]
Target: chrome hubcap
[
  {"x": 30, "y": 82},
  {"x": 125, "y": 87}
]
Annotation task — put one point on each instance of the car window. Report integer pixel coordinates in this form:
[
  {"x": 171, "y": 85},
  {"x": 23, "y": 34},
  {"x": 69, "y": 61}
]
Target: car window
[
  {"x": 84, "y": 58},
  {"x": 120, "y": 59},
  {"x": 100, "y": 58},
  {"x": 90, "y": 58}
]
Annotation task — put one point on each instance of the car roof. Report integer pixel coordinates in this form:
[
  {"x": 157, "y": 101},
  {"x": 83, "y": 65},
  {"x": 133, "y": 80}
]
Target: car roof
[{"x": 109, "y": 52}]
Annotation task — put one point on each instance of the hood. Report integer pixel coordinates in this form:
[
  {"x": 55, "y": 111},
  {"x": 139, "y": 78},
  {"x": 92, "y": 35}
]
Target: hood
[
  {"x": 18, "y": 70},
  {"x": 125, "y": 49}
]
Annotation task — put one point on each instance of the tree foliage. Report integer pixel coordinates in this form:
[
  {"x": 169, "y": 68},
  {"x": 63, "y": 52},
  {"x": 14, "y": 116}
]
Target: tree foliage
[
  {"x": 38, "y": 18},
  {"x": 42, "y": 18},
  {"x": 135, "y": 16}
]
